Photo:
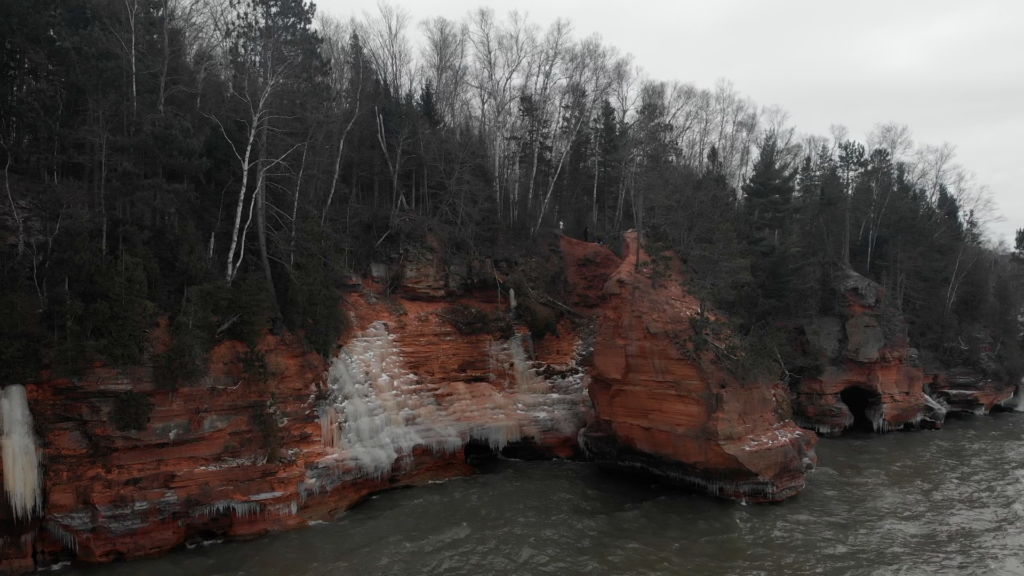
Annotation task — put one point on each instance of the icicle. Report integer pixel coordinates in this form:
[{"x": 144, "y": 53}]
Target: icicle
[
  {"x": 497, "y": 435},
  {"x": 283, "y": 510},
  {"x": 66, "y": 539},
  {"x": 377, "y": 414},
  {"x": 824, "y": 429},
  {"x": 1013, "y": 402},
  {"x": 240, "y": 509},
  {"x": 879, "y": 423},
  {"x": 21, "y": 463}
]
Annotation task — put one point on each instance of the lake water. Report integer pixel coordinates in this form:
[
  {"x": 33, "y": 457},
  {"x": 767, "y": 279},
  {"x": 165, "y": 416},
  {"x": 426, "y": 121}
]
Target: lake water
[{"x": 939, "y": 502}]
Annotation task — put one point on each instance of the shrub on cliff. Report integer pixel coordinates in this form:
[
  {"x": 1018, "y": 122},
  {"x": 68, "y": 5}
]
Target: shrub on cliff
[
  {"x": 539, "y": 318},
  {"x": 248, "y": 311},
  {"x": 762, "y": 359},
  {"x": 254, "y": 366},
  {"x": 131, "y": 412},
  {"x": 193, "y": 334},
  {"x": 264, "y": 421},
  {"x": 754, "y": 357},
  {"x": 472, "y": 320},
  {"x": 20, "y": 336},
  {"x": 312, "y": 300}
]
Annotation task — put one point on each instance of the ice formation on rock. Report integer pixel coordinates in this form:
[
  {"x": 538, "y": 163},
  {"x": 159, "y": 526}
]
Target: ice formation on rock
[
  {"x": 377, "y": 412},
  {"x": 937, "y": 407},
  {"x": 542, "y": 405},
  {"x": 822, "y": 428},
  {"x": 1013, "y": 403},
  {"x": 374, "y": 413},
  {"x": 509, "y": 365},
  {"x": 239, "y": 509},
  {"x": 21, "y": 463},
  {"x": 67, "y": 540}
]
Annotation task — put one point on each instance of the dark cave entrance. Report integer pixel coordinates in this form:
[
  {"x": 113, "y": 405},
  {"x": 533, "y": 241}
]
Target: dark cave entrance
[{"x": 860, "y": 401}]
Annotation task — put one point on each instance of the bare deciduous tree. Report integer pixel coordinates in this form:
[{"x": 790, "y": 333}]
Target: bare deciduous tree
[
  {"x": 444, "y": 64},
  {"x": 896, "y": 138},
  {"x": 387, "y": 45},
  {"x": 347, "y": 84},
  {"x": 10, "y": 195}
]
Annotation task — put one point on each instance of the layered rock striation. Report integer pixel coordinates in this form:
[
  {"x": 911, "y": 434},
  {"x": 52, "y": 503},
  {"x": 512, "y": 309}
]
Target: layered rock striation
[
  {"x": 235, "y": 458},
  {"x": 659, "y": 409},
  {"x": 869, "y": 376},
  {"x": 450, "y": 363},
  {"x": 968, "y": 391}
]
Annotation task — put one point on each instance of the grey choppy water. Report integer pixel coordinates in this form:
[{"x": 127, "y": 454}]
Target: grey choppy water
[{"x": 947, "y": 502}]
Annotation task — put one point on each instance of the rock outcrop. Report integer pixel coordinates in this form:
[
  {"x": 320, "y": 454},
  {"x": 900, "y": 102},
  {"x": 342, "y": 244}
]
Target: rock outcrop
[
  {"x": 868, "y": 376},
  {"x": 977, "y": 389},
  {"x": 967, "y": 391},
  {"x": 235, "y": 458},
  {"x": 660, "y": 411},
  {"x": 425, "y": 375}
]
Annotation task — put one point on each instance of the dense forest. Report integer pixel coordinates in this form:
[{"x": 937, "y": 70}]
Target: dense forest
[{"x": 230, "y": 164}]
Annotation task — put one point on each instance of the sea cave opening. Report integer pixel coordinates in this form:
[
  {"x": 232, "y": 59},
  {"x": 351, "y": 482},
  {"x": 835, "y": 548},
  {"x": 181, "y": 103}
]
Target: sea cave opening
[{"x": 860, "y": 401}]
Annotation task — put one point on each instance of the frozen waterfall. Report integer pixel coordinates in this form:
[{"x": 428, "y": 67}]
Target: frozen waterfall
[
  {"x": 377, "y": 413},
  {"x": 373, "y": 415},
  {"x": 21, "y": 463},
  {"x": 508, "y": 362}
]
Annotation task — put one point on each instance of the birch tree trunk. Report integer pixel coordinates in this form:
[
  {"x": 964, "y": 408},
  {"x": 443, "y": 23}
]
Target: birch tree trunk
[
  {"x": 165, "y": 63},
  {"x": 295, "y": 201},
  {"x": 245, "y": 161},
  {"x": 10, "y": 197},
  {"x": 103, "y": 185},
  {"x": 133, "y": 8},
  {"x": 261, "y": 222}
]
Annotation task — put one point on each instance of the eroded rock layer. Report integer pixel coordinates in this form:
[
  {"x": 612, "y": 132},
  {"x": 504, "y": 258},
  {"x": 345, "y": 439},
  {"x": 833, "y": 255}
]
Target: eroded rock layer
[
  {"x": 869, "y": 376},
  {"x": 967, "y": 391},
  {"x": 235, "y": 457},
  {"x": 660, "y": 411},
  {"x": 423, "y": 375}
]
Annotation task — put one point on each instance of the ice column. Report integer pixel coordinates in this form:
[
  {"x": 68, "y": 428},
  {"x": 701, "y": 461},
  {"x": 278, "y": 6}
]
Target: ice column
[{"x": 21, "y": 463}]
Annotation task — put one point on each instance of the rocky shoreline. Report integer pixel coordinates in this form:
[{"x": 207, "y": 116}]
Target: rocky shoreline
[{"x": 414, "y": 390}]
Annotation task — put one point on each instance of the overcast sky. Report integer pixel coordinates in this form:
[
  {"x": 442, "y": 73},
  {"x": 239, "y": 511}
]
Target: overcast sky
[{"x": 952, "y": 71}]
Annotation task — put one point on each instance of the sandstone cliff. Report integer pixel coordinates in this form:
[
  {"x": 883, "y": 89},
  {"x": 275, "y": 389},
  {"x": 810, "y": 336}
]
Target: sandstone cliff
[
  {"x": 425, "y": 374},
  {"x": 969, "y": 391},
  {"x": 869, "y": 376},
  {"x": 662, "y": 412}
]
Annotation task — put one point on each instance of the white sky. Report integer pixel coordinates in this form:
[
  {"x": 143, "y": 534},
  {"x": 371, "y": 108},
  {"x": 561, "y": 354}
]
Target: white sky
[{"x": 951, "y": 70}]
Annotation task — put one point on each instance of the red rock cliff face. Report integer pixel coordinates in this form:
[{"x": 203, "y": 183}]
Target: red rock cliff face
[
  {"x": 659, "y": 412},
  {"x": 868, "y": 373},
  {"x": 231, "y": 458},
  {"x": 200, "y": 470},
  {"x": 234, "y": 458},
  {"x": 968, "y": 391}
]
